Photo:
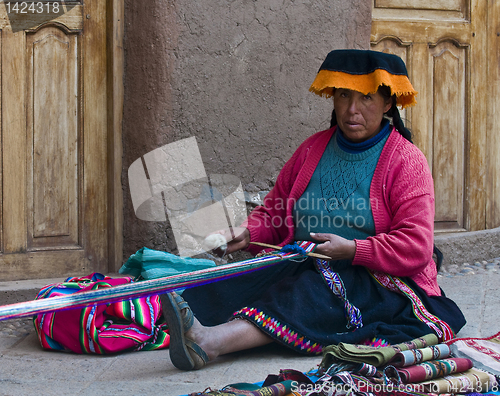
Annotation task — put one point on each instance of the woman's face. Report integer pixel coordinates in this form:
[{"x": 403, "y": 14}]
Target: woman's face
[{"x": 359, "y": 116}]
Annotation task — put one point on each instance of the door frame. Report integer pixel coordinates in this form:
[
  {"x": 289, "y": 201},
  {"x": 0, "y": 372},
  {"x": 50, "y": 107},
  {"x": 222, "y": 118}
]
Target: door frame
[
  {"x": 493, "y": 118},
  {"x": 115, "y": 85},
  {"x": 104, "y": 27}
]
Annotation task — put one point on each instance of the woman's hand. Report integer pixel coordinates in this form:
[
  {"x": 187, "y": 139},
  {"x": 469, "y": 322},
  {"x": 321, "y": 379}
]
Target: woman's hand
[
  {"x": 237, "y": 238},
  {"x": 333, "y": 246}
]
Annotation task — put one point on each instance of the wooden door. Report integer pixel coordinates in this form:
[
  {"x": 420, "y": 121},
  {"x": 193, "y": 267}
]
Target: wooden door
[
  {"x": 445, "y": 46},
  {"x": 55, "y": 131},
  {"x": 493, "y": 117}
]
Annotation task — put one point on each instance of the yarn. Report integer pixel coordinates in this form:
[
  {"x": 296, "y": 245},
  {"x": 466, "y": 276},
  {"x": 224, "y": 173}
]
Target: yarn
[
  {"x": 214, "y": 241},
  {"x": 293, "y": 248}
]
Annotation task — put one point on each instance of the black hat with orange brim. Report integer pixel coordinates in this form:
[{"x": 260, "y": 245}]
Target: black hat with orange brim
[{"x": 364, "y": 71}]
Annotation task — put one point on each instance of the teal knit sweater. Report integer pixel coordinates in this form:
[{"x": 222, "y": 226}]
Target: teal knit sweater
[{"x": 337, "y": 198}]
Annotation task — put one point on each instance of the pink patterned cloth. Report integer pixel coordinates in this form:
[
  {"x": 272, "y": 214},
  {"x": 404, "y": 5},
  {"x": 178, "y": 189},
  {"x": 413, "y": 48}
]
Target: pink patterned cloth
[{"x": 127, "y": 325}]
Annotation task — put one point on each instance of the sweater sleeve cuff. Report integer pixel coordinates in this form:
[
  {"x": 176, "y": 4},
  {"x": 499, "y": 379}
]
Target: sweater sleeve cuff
[
  {"x": 253, "y": 249},
  {"x": 363, "y": 253}
]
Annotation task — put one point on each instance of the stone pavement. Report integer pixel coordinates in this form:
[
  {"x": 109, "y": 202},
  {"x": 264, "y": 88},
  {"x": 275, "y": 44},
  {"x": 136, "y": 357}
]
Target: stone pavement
[{"x": 26, "y": 369}]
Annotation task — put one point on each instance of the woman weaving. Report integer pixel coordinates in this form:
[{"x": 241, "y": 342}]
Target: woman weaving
[{"x": 364, "y": 193}]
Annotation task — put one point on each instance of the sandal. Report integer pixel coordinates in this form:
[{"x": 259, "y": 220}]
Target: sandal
[{"x": 185, "y": 354}]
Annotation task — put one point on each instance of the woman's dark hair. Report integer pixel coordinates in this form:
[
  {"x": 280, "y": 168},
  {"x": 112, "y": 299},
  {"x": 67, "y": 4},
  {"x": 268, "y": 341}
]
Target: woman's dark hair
[{"x": 393, "y": 113}]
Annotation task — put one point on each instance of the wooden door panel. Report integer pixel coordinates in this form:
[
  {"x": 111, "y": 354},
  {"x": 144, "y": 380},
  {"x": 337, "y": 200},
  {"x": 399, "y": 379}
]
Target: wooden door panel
[
  {"x": 416, "y": 33},
  {"x": 443, "y": 46},
  {"x": 44, "y": 264},
  {"x": 13, "y": 142},
  {"x": 69, "y": 15},
  {"x": 447, "y": 77},
  {"x": 445, "y": 5},
  {"x": 53, "y": 141},
  {"x": 493, "y": 125},
  {"x": 52, "y": 129}
]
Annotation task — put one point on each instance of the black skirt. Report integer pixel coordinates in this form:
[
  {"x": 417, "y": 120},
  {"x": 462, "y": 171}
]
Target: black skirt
[{"x": 292, "y": 303}]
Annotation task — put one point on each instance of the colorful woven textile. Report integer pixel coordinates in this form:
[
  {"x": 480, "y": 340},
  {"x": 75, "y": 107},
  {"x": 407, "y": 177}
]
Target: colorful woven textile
[
  {"x": 284, "y": 333},
  {"x": 133, "y": 324},
  {"x": 415, "y": 356},
  {"x": 433, "y": 369},
  {"x": 281, "y": 389},
  {"x": 274, "y": 385},
  {"x": 334, "y": 282},
  {"x": 473, "y": 380},
  {"x": 343, "y": 383},
  {"x": 346, "y": 383},
  {"x": 395, "y": 284},
  {"x": 364, "y": 369},
  {"x": 484, "y": 352},
  {"x": 448, "y": 375},
  {"x": 294, "y": 383},
  {"x": 376, "y": 356}
]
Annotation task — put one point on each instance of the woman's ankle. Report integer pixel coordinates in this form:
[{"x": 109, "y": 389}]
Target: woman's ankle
[{"x": 204, "y": 338}]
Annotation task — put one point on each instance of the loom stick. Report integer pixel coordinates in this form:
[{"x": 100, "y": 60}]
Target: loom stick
[
  {"x": 140, "y": 289},
  {"x": 316, "y": 255}
]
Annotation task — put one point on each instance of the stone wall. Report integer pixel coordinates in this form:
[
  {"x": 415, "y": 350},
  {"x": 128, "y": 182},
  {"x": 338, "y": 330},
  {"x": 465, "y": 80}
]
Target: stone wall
[
  {"x": 469, "y": 247},
  {"x": 234, "y": 74}
]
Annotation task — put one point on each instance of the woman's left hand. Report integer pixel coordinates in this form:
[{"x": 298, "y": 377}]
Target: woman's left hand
[{"x": 333, "y": 246}]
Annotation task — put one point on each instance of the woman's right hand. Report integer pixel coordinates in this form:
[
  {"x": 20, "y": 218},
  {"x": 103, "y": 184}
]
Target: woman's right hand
[{"x": 237, "y": 238}]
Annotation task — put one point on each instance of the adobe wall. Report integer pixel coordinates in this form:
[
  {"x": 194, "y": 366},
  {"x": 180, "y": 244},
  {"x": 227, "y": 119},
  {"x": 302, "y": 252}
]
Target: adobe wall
[{"x": 234, "y": 74}]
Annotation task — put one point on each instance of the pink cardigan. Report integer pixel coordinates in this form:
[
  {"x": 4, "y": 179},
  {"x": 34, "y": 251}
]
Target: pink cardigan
[{"x": 402, "y": 200}]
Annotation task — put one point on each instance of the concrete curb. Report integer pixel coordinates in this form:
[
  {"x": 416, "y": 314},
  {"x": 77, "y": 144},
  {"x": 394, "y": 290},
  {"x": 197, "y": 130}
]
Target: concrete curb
[{"x": 469, "y": 247}]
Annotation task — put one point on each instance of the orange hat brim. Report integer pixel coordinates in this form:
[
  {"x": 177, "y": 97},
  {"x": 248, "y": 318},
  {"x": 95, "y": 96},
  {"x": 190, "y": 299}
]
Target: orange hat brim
[{"x": 400, "y": 85}]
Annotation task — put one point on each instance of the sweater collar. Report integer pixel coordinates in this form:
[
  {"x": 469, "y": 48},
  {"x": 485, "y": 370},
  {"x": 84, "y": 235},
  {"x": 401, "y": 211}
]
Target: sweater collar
[{"x": 355, "y": 148}]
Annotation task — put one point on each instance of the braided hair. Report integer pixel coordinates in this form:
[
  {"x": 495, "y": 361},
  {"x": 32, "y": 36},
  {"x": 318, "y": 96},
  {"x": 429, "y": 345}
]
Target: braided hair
[
  {"x": 393, "y": 113},
  {"x": 398, "y": 122}
]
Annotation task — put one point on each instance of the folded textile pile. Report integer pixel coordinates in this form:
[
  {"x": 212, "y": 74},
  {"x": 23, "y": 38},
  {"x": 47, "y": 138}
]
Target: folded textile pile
[
  {"x": 420, "y": 366},
  {"x": 419, "y": 355},
  {"x": 415, "y": 368},
  {"x": 243, "y": 389},
  {"x": 484, "y": 352},
  {"x": 286, "y": 383},
  {"x": 472, "y": 380},
  {"x": 376, "y": 356}
]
